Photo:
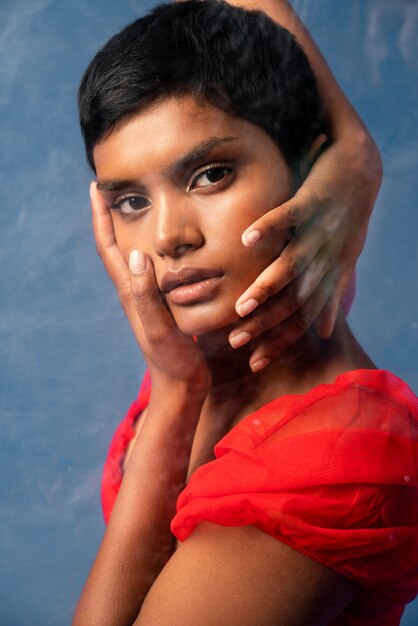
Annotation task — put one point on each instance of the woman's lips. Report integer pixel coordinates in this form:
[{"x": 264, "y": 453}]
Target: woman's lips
[
  {"x": 194, "y": 292},
  {"x": 190, "y": 285}
]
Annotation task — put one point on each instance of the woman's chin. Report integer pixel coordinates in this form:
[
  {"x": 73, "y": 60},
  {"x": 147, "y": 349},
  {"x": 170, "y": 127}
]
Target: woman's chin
[{"x": 197, "y": 322}]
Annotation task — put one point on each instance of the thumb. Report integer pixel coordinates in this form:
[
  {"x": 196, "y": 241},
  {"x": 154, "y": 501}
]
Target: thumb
[{"x": 146, "y": 299}]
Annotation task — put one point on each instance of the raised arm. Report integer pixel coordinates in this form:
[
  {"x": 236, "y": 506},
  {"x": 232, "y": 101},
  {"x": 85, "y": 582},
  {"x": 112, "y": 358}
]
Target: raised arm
[
  {"x": 330, "y": 211},
  {"x": 137, "y": 576},
  {"x": 138, "y": 540},
  {"x": 344, "y": 121}
]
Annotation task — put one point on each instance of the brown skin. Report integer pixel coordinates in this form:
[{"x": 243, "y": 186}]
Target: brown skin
[
  {"x": 200, "y": 390},
  {"x": 178, "y": 217},
  {"x": 187, "y": 221},
  {"x": 331, "y": 211},
  {"x": 289, "y": 588}
]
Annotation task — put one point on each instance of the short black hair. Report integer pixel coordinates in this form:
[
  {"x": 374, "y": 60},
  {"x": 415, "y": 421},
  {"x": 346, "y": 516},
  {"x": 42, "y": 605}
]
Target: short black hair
[{"x": 236, "y": 60}]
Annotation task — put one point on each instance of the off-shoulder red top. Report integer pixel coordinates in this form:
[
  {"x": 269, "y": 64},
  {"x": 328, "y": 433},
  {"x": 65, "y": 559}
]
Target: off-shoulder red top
[{"x": 332, "y": 473}]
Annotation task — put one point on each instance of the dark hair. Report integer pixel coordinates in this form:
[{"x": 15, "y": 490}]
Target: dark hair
[{"x": 239, "y": 61}]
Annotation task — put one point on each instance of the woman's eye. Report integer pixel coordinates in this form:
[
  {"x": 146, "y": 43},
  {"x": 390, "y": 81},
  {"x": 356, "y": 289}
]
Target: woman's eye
[
  {"x": 211, "y": 176},
  {"x": 127, "y": 205}
]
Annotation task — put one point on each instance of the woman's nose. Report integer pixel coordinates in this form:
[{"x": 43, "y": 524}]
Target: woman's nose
[{"x": 177, "y": 231}]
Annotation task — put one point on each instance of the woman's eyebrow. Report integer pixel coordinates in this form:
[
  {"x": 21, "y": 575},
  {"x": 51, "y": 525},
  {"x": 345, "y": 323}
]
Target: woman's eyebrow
[
  {"x": 197, "y": 153},
  {"x": 200, "y": 151},
  {"x": 115, "y": 185}
]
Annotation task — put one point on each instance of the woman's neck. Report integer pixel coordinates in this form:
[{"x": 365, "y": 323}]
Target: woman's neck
[{"x": 308, "y": 363}]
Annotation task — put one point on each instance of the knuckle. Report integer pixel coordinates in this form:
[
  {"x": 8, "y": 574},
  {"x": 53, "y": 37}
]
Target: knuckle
[
  {"x": 266, "y": 290},
  {"x": 258, "y": 326},
  {"x": 144, "y": 300},
  {"x": 124, "y": 296},
  {"x": 269, "y": 227},
  {"x": 294, "y": 215},
  {"x": 296, "y": 266},
  {"x": 275, "y": 345},
  {"x": 295, "y": 300},
  {"x": 100, "y": 250},
  {"x": 303, "y": 322}
]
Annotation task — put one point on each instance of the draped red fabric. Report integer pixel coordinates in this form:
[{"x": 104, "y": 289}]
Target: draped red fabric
[
  {"x": 332, "y": 473},
  {"x": 113, "y": 467}
]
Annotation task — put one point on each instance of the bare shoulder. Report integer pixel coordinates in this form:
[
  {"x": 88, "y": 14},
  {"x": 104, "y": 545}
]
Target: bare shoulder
[{"x": 240, "y": 575}]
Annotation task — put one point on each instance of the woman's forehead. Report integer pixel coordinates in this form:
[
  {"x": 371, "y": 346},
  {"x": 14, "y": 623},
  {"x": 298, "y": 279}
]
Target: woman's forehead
[{"x": 176, "y": 130}]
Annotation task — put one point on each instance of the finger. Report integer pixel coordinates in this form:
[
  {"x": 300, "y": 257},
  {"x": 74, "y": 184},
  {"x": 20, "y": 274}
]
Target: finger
[
  {"x": 288, "y": 332},
  {"x": 155, "y": 319},
  {"x": 104, "y": 233},
  {"x": 102, "y": 220},
  {"x": 281, "y": 306},
  {"x": 106, "y": 243},
  {"x": 293, "y": 261},
  {"x": 292, "y": 213},
  {"x": 325, "y": 322},
  {"x": 348, "y": 258},
  {"x": 284, "y": 304}
]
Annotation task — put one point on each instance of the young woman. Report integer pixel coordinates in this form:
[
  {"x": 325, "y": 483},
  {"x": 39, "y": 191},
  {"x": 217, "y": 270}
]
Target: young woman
[{"x": 295, "y": 480}]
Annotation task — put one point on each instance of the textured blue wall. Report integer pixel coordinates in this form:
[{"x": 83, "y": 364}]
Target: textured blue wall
[{"x": 69, "y": 366}]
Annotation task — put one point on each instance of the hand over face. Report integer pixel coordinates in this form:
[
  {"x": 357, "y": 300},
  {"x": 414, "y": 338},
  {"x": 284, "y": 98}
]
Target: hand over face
[
  {"x": 186, "y": 217},
  {"x": 307, "y": 282},
  {"x": 172, "y": 357}
]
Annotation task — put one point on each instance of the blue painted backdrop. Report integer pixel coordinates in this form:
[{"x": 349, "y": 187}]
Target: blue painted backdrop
[{"x": 69, "y": 366}]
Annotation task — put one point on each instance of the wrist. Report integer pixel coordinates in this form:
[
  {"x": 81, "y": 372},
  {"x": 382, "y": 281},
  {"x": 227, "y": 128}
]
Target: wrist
[
  {"x": 193, "y": 380},
  {"x": 364, "y": 153},
  {"x": 175, "y": 394}
]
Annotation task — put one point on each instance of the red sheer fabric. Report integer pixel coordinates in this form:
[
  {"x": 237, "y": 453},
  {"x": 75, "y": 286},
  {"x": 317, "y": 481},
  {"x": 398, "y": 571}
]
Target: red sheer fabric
[
  {"x": 331, "y": 473},
  {"x": 113, "y": 467}
]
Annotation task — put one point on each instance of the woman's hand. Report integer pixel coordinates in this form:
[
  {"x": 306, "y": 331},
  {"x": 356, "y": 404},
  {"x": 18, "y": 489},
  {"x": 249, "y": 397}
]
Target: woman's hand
[
  {"x": 138, "y": 540},
  {"x": 172, "y": 357},
  {"x": 330, "y": 215}
]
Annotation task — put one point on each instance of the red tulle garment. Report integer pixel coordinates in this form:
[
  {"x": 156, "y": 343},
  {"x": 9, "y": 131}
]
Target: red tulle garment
[{"x": 331, "y": 473}]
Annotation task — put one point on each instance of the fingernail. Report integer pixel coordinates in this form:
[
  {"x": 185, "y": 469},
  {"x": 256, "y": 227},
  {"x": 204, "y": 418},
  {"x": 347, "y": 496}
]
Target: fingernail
[
  {"x": 247, "y": 306},
  {"x": 137, "y": 262},
  {"x": 259, "y": 365},
  {"x": 239, "y": 339},
  {"x": 251, "y": 237}
]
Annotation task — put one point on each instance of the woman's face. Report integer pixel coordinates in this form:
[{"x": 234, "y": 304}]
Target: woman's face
[{"x": 184, "y": 181}]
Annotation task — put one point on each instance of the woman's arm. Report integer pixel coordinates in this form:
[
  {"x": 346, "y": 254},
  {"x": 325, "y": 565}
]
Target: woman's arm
[
  {"x": 331, "y": 211},
  {"x": 343, "y": 119},
  {"x": 241, "y": 575},
  {"x": 138, "y": 540},
  {"x": 131, "y": 564}
]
